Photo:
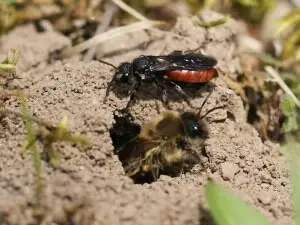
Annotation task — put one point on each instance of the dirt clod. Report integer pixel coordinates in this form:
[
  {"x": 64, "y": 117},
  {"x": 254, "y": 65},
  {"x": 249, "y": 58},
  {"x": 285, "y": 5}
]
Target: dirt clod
[
  {"x": 34, "y": 47},
  {"x": 228, "y": 170}
]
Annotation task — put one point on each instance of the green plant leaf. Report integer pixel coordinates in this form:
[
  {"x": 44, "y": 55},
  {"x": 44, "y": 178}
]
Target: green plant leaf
[
  {"x": 30, "y": 139},
  {"x": 267, "y": 59},
  {"x": 61, "y": 128},
  {"x": 7, "y": 68},
  {"x": 289, "y": 109},
  {"x": 247, "y": 2},
  {"x": 195, "y": 5},
  {"x": 212, "y": 23},
  {"x": 9, "y": 2},
  {"x": 292, "y": 150},
  {"x": 290, "y": 44},
  {"x": 297, "y": 54},
  {"x": 289, "y": 20},
  {"x": 227, "y": 209},
  {"x": 10, "y": 62}
]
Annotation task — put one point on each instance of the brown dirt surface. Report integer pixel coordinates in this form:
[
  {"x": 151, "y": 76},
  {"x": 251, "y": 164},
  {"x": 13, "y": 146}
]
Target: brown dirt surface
[{"x": 89, "y": 186}]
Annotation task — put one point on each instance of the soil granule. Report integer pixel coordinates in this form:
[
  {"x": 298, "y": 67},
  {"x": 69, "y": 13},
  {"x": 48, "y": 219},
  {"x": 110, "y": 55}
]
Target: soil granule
[{"x": 89, "y": 186}]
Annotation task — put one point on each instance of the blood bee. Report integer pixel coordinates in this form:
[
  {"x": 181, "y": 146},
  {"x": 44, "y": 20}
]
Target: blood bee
[{"x": 164, "y": 71}]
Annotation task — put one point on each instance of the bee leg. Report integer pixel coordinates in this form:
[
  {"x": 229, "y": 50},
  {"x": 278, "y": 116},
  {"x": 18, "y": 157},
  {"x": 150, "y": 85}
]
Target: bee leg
[
  {"x": 157, "y": 107},
  {"x": 132, "y": 93},
  {"x": 165, "y": 97},
  {"x": 181, "y": 172},
  {"x": 164, "y": 93},
  {"x": 193, "y": 50},
  {"x": 179, "y": 90},
  {"x": 109, "y": 85},
  {"x": 176, "y": 53},
  {"x": 155, "y": 172}
]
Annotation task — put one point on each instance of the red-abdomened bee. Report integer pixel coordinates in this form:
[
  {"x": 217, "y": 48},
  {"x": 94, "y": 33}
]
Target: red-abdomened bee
[{"x": 164, "y": 70}]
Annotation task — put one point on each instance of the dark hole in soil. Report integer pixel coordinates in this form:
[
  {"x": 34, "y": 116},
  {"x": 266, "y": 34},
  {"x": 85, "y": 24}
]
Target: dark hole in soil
[
  {"x": 144, "y": 159},
  {"x": 206, "y": 217},
  {"x": 255, "y": 99},
  {"x": 124, "y": 129}
]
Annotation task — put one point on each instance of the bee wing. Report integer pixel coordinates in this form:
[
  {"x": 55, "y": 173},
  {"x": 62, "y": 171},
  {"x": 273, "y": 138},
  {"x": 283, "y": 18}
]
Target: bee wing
[
  {"x": 166, "y": 125},
  {"x": 132, "y": 166},
  {"x": 126, "y": 145},
  {"x": 133, "y": 154},
  {"x": 190, "y": 61},
  {"x": 152, "y": 157}
]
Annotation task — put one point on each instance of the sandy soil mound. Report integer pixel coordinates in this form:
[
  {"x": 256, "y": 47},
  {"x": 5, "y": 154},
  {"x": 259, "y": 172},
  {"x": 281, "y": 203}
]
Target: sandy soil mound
[{"x": 90, "y": 186}]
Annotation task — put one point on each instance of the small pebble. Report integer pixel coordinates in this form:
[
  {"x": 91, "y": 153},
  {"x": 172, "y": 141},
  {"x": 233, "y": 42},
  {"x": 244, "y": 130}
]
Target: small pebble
[
  {"x": 228, "y": 170},
  {"x": 265, "y": 197}
]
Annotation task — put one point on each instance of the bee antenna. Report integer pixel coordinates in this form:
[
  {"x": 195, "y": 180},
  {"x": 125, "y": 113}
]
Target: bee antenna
[
  {"x": 211, "y": 110},
  {"x": 110, "y": 83},
  {"x": 107, "y": 63},
  {"x": 203, "y": 103}
]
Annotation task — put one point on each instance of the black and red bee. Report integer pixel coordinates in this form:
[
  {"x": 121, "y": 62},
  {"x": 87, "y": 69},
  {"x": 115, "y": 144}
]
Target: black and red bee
[{"x": 164, "y": 71}]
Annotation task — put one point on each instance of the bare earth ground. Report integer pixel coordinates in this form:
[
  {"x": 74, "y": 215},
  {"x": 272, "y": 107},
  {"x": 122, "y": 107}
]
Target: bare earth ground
[{"x": 90, "y": 186}]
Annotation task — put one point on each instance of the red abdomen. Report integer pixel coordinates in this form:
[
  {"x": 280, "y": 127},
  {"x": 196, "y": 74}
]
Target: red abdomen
[{"x": 190, "y": 76}]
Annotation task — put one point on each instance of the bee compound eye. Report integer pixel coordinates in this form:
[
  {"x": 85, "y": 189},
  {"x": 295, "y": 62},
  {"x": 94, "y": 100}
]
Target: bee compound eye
[{"x": 193, "y": 129}]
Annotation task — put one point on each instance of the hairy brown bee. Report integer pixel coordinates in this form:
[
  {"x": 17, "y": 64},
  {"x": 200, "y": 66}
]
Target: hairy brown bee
[{"x": 161, "y": 146}]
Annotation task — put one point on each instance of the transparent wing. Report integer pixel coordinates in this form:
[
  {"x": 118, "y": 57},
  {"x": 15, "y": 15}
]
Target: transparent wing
[{"x": 179, "y": 61}]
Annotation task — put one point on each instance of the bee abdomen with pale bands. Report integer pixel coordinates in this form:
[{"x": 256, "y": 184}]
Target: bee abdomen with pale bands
[{"x": 190, "y": 76}]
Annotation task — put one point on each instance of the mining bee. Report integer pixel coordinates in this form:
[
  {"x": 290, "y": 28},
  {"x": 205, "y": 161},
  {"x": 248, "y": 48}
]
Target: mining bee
[
  {"x": 164, "y": 71},
  {"x": 162, "y": 145}
]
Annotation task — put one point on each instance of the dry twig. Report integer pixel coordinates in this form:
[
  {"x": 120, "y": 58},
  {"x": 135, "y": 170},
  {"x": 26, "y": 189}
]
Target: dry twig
[
  {"x": 276, "y": 77},
  {"x": 113, "y": 33},
  {"x": 130, "y": 10},
  {"x": 105, "y": 21}
]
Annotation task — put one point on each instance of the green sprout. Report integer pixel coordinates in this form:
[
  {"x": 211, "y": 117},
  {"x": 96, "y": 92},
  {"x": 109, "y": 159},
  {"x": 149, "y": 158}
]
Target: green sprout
[
  {"x": 227, "y": 209},
  {"x": 253, "y": 10},
  {"x": 9, "y": 2},
  {"x": 292, "y": 120},
  {"x": 58, "y": 134},
  {"x": 292, "y": 151},
  {"x": 47, "y": 135},
  {"x": 10, "y": 62},
  {"x": 213, "y": 23},
  {"x": 248, "y": 3},
  {"x": 288, "y": 26},
  {"x": 7, "y": 15},
  {"x": 30, "y": 138}
]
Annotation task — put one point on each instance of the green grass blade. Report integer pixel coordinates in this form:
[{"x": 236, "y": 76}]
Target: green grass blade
[
  {"x": 290, "y": 44},
  {"x": 248, "y": 2},
  {"x": 289, "y": 20},
  {"x": 227, "y": 209},
  {"x": 292, "y": 151},
  {"x": 289, "y": 109},
  {"x": 31, "y": 145},
  {"x": 7, "y": 68},
  {"x": 9, "y": 2},
  {"x": 212, "y": 23}
]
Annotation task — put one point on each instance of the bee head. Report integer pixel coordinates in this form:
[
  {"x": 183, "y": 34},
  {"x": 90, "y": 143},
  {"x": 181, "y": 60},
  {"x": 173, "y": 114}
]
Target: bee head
[
  {"x": 123, "y": 72},
  {"x": 193, "y": 127}
]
